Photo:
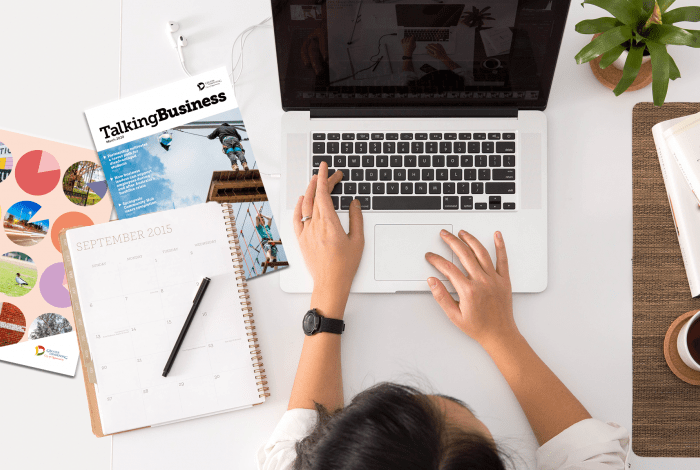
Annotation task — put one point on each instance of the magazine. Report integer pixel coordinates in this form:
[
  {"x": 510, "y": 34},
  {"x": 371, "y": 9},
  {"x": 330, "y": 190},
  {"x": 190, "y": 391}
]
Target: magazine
[{"x": 184, "y": 144}]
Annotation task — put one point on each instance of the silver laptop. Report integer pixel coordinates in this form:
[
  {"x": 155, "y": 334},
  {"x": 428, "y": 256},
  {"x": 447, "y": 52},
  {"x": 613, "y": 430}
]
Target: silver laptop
[
  {"x": 432, "y": 23},
  {"x": 424, "y": 144}
]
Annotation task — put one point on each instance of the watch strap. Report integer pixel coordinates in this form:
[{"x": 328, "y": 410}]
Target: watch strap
[
  {"x": 331, "y": 325},
  {"x": 406, "y": 57}
]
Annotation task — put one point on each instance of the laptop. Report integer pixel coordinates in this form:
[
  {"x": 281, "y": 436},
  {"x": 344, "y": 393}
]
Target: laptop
[
  {"x": 421, "y": 142},
  {"x": 429, "y": 23}
]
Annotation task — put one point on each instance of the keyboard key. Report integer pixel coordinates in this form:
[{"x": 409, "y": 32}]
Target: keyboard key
[
  {"x": 382, "y": 161},
  {"x": 450, "y": 136},
  {"x": 350, "y": 188},
  {"x": 409, "y": 161},
  {"x": 378, "y": 188},
  {"x": 509, "y": 136},
  {"x": 474, "y": 147},
  {"x": 385, "y": 175},
  {"x": 413, "y": 174},
  {"x": 438, "y": 160},
  {"x": 354, "y": 160},
  {"x": 481, "y": 206},
  {"x": 456, "y": 175},
  {"x": 509, "y": 206},
  {"x": 421, "y": 136},
  {"x": 389, "y": 147},
  {"x": 367, "y": 160},
  {"x": 392, "y": 188},
  {"x": 371, "y": 174},
  {"x": 404, "y": 147},
  {"x": 346, "y": 174},
  {"x": 363, "y": 136},
  {"x": 396, "y": 161},
  {"x": 452, "y": 161},
  {"x": 424, "y": 160},
  {"x": 361, "y": 147},
  {"x": 336, "y": 202},
  {"x": 442, "y": 174},
  {"x": 392, "y": 136},
  {"x": 359, "y": 175},
  {"x": 421, "y": 188},
  {"x": 460, "y": 147},
  {"x": 315, "y": 171},
  {"x": 465, "y": 136},
  {"x": 333, "y": 147},
  {"x": 365, "y": 203},
  {"x": 495, "y": 203},
  {"x": 333, "y": 136},
  {"x": 431, "y": 147},
  {"x": 406, "y": 188},
  {"x": 487, "y": 147},
  {"x": 493, "y": 199},
  {"x": 509, "y": 160},
  {"x": 500, "y": 188},
  {"x": 481, "y": 160},
  {"x": 494, "y": 160},
  {"x": 339, "y": 160},
  {"x": 337, "y": 189},
  {"x": 463, "y": 188},
  {"x": 345, "y": 203},
  {"x": 467, "y": 203},
  {"x": 319, "y": 136},
  {"x": 376, "y": 147},
  {"x": 494, "y": 136},
  {"x": 400, "y": 174},
  {"x": 428, "y": 174},
  {"x": 417, "y": 147},
  {"x": 435, "y": 136},
  {"x": 398, "y": 203},
  {"x": 377, "y": 136},
  {"x": 319, "y": 147},
  {"x": 406, "y": 136},
  {"x": 477, "y": 188},
  {"x": 435, "y": 188},
  {"x": 484, "y": 175},
  {"x": 346, "y": 147},
  {"x": 322, "y": 158},
  {"x": 348, "y": 136},
  {"x": 504, "y": 175},
  {"x": 448, "y": 188},
  {"x": 505, "y": 147},
  {"x": 445, "y": 147},
  {"x": 467, "y": 160},
  {"x": 470, "y": 174},
  {"x": 480, "y": 136},
  {"x": 364, "y": 188},
  {"x": 450, "y": 202}
]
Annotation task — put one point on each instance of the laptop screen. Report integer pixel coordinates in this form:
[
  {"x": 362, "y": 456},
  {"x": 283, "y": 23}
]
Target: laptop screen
[{"x": 417, "y": 53}]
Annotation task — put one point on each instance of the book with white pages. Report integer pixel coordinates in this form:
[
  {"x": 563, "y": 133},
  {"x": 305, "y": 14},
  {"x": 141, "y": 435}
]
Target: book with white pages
[
  {"x": 132, "y": 283},
  {"x": 683, "y": 140},
  {"x": 684, "y": 205}
]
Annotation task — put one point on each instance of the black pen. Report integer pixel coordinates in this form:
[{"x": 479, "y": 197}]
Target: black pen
[{"x": 195, "y": 304}]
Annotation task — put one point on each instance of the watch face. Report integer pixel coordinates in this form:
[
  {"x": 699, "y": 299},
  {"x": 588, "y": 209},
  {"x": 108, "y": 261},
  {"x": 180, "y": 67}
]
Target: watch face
[{"x": 310, "y": 323}]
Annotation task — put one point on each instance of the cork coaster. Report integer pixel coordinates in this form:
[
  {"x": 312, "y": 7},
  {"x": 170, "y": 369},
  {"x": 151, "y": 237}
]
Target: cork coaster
[
  {"x": 673, "y": 359},
  {"x": 610, "y": 76}
]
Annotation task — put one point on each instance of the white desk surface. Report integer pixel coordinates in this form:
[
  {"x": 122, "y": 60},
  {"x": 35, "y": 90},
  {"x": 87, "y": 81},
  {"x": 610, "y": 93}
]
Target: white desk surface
[{"x": 60, "y": 58}]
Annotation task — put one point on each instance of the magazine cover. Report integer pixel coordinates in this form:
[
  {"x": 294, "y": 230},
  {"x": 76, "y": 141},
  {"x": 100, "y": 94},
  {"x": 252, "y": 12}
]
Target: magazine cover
[
  {"x": 45, "y": 187},
  {"x": 184, "y": 144}
]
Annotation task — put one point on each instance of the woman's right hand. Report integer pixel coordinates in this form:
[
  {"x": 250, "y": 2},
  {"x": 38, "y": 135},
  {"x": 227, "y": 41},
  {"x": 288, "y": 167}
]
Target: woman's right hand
[{"x": 485, "y": 307}]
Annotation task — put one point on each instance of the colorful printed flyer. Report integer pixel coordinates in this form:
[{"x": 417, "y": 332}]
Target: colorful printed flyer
[{"x": 44, "y": 187}]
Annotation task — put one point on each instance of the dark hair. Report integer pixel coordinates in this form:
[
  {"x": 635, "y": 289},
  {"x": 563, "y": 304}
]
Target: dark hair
[
  {"x": 443, "y": 80},
  {"x": 391, "y": 426}
]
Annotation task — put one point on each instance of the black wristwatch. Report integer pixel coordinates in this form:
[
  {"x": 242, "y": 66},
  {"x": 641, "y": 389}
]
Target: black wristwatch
[
  {"x": 406, "y": 57},
  {"x": 316, "y": 323}
]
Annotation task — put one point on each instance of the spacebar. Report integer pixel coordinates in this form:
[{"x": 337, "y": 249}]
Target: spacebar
[{"x": 406, "y": 203}]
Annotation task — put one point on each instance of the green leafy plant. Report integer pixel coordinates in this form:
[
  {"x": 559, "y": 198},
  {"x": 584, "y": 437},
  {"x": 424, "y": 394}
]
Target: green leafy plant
[{"x": 639, "y": 26}]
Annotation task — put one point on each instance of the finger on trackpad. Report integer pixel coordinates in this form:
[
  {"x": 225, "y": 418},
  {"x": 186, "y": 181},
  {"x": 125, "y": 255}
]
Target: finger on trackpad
[{"x": 399, "y": 251}]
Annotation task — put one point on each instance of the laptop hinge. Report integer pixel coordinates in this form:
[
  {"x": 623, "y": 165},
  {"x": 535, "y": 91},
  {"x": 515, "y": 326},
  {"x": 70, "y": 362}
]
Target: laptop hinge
[{"x": 433, "y": 112}]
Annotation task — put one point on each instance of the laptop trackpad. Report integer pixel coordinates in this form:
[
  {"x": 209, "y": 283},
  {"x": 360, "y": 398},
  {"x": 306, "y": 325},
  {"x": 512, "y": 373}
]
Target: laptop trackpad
[{"x": 399, "y": 251}]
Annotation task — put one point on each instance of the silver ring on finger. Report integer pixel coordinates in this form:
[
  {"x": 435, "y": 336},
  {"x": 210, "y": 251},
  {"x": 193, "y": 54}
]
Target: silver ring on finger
[{"x": 305, "y": 218}]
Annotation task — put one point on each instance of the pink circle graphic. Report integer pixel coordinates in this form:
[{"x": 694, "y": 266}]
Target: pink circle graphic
[{"x": 53, "y": 287}]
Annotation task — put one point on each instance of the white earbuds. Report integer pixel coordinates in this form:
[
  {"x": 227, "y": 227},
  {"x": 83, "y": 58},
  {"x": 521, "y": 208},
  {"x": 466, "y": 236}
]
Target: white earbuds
[{"x": 171, "y": 28}]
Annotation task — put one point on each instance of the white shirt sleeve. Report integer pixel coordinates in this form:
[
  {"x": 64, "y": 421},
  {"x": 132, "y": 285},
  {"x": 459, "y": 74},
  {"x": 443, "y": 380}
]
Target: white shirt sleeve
[
  {"x": 279, "y": 452},
  {"x": 587, "y": 445}
]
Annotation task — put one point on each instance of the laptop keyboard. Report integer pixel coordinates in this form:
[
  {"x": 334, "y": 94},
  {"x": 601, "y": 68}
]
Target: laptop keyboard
[
  {"x": 428, "y": 35},
  {"x": 420, "y": 171}
]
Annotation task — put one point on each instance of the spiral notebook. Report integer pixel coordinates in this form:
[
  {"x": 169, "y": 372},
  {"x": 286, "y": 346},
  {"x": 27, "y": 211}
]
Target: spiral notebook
[{"x": 132, "y": 283}]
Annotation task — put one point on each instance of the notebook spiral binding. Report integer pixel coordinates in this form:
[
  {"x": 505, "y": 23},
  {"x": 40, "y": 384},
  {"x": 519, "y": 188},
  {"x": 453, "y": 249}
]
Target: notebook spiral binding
[{"x": 237, "y": 256}]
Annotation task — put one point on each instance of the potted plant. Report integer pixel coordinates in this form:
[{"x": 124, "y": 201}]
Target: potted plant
[{"x": 639, "y": 27}]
